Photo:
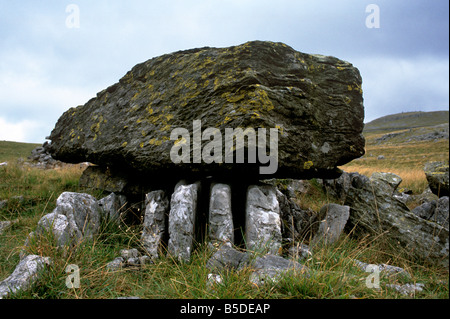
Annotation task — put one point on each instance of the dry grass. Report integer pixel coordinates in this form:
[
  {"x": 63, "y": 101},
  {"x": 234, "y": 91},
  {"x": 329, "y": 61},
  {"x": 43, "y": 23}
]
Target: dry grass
[{"x": 404, "y": 159}]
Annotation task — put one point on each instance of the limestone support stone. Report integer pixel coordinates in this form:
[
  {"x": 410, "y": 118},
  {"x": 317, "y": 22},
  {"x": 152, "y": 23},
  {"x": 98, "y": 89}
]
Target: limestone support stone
[
  {"x": 183, "y": 209},
  {"x": 263, "y": 222},
  {"x": 221, "y": 230},
  {"x": 156, "y": 209}
]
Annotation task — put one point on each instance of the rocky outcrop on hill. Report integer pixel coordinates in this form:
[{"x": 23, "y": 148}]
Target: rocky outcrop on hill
[
  {"x": 433, "y": 134},
  {"x": 312, "y": 103}
]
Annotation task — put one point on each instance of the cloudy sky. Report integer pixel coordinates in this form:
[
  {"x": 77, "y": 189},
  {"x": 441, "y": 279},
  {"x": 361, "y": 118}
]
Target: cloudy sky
[{"x": 58, "y": 54}]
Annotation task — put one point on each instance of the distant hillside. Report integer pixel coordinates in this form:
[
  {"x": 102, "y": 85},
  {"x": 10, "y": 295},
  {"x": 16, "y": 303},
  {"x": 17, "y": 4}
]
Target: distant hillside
[
  {"x": 14, "y": 150},
  {"x": 407, "y": 120}
]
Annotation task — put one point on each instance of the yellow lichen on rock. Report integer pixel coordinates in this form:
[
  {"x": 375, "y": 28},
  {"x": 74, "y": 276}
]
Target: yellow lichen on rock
[{"x": 308, "y": 165}]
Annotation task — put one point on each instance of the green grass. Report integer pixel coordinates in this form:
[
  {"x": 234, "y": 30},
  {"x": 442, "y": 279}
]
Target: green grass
[
  {"x": 13, "y": 150},
  {"x": 332, "y": 272}
]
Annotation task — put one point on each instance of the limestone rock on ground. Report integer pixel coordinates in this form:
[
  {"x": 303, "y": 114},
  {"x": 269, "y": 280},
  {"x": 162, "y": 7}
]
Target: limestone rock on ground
[
  {"x": 58, "y": 225},
  {"x": 25, "y": 273},
  {"x": 266, "y": 269},
  {"x": 75, "y": 218},
  {"x": 128, "y": 258},
  {"x": 227, "y": 257},
  {"x": 270, "y": 269},
  {"x": 435, "y": 210},
  {"x": 5, "y": 224},
  {"x": 314, "y": 102},
  {"x": 82, "y": 211},
  {"x": 407, "y": 289}
]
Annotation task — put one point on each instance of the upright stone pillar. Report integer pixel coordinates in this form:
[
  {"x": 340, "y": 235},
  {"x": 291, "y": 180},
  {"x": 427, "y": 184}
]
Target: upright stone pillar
[
  {"x": 183, "y": 208},
  {"x": 156, "y": 208},
  {"x": 263, "y": 222},
  {"x": 220, "y": 218}
]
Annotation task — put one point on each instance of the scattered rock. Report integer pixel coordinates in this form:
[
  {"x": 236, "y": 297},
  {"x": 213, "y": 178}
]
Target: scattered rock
[
  {"x": 407, "y": 289},
  {"x": 58, "y": 225},
  {"x": 338, "y": 188},
  {"x": 426, "y": 196},
  {"x": 41, "y": 158},
  {"x": 3, "y": 203},
  {"x": 294, "y": 187},
  {"x": 25, "y": 274},
  {"x": 295, "y": 222},
  {"x": 214, "y": 279},
  {"x": 116, "y": 264},
  {"x": 270, "y": 269},
  {"x": 384, "y": 269},
  {"x": 299, "y": 251},
  {"x": 4, "y": 225},
  {"x": 392, "y": 179},
  {"x": 381, "y": 157},
  {"x": 267, "y": 269},
  {"x": 227, "y": 258},
  {"x": 129, "y": 258},
  {"x": 129, "y": 253},
  {"x": 386, "y": 137},
  {"x": 435, "y": 210},
  {"x": 263, "y": 223},
  {"x": 75, "y": 218},
  {"x": 438, "y": 132},
  {"x": 437, "y": 177},
  {"x": 4, "y": 164}
]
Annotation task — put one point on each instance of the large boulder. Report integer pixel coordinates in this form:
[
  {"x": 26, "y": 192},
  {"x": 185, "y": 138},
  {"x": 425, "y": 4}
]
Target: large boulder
[
  {"x": 310, "y": 105},
  {"x": 83, "y": 214},
  {"x": 76, "y": 217}
]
